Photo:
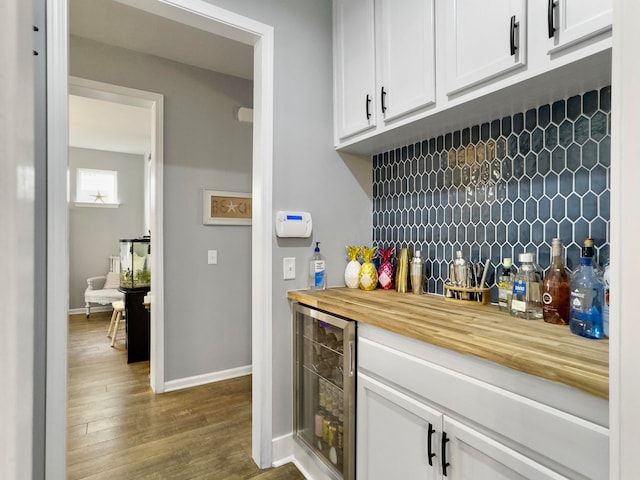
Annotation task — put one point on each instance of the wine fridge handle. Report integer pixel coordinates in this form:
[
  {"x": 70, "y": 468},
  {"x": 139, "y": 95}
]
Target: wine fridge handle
[{"x": 352, "y": 359}]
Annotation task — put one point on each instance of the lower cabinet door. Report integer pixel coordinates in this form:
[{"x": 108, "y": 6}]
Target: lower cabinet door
[
  {"x": 397, "y": 436},
  {"x": 470, "y": 455}
]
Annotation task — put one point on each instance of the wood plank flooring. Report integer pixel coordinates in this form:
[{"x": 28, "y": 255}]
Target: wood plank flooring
[{"x": 119, "y": 429}]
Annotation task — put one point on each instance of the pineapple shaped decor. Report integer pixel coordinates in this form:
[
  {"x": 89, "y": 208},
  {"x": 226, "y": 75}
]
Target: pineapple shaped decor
[
  {"x": 368, "y": 273},
  {"x": 385, "y": 272},
  {"x": 352, "y": 272}
]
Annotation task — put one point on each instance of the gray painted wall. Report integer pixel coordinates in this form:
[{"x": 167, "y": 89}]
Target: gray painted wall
[
  {"x": 308, "y": 174},
  {"x": 94, "y": 232}
]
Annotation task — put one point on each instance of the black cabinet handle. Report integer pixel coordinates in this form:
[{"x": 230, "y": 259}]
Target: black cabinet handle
[
  {"x": 367, "y": 103},
  {"x": 430, "y": 454},
  {"x": 512, "y": 40},
  {"x": 383, "y": 94},
  {"x": 550, "y": 27},
  {"x": 445, "y": 464}
]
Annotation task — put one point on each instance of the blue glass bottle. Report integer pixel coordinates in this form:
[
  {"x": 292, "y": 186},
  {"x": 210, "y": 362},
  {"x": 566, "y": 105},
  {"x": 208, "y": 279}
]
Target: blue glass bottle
[{"x": 587, "y": 299}]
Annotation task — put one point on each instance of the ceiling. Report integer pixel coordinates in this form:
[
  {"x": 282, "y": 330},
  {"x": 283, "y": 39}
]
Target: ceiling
[{"x": 103, "y": 125}]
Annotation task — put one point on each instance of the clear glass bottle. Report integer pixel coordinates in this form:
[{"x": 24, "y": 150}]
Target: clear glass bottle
[
  {"x": 556, "y": 288},
  {"x": 526, "y": 301},
  {"x": 505, "y": 285},
  {"x": 587, "y": 299}
]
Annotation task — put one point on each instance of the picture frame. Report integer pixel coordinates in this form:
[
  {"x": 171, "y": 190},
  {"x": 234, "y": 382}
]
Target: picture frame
[{"x": 221, "y": 207}]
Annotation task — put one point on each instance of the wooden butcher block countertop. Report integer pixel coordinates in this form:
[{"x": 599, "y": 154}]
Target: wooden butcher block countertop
[{"x": 530, "y": 346}]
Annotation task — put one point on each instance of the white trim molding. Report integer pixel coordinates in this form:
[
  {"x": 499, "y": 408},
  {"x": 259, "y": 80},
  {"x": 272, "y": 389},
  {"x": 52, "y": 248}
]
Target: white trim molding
[{"x": 197, "y": 380}]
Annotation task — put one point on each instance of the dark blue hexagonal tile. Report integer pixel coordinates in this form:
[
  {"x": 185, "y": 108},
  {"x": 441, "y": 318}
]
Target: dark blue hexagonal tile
[
  {"x": 566, "y": 183},
  {"x": 574, "y": 207},
  {"x": 598, "y": 126},
  {"x": 558, "y": 208},
  {"x": 590, "y": 102},
  {"x": 574, "y": 107},
  {"x": 518, "y": 210},
  {"x": 485, "y": 132},
  {"x": 604, "y": 152},
  {"x": 544, "y": 115},
  {"x": 530, "y": 165},
  {"x": 558, "y": 112},
  {"x": 512, "y": 233},
  {"x": 581, "y": 129},
  {"x": 531, "y": 210},
  {"x": 558, "y": 160},
  {"x": 581, "y": 229},
  {"x": 574, "y": 159},
  {"x": 551, "y": 185},
  {"x": 524, "y": 233},
  {"x": 605, "y": 99},
  {"x": 550, "y": 232},
  {"x": 551, "y": 136},
  {"x": 524, "y": 143},
  {"x": 537, "y": 232},
  {"x": 598, "y": 179},
  {"x": 565, "y": 133},
  {"x": 598, "y": 229},
  {"x": 544, "y": 208}
]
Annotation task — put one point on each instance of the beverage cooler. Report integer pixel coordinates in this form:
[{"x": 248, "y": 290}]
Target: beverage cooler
[{"x": 324, "y": 388}]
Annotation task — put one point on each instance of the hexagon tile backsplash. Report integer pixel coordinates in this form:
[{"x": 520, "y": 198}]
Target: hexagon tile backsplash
[{"x": 501, "y": 188}]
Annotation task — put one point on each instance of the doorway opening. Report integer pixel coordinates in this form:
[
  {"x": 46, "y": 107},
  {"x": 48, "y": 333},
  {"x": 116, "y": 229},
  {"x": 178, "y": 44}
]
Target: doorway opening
[
  {"x": 202, "y": 15},
  {"x": 153, "y": 197}
]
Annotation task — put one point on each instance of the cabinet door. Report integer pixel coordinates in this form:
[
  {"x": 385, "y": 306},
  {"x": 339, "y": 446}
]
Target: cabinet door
[
  {"x": 406, "y": 56},
  {"x": 571, "y": 21},
  {"x": 483, "y": 40},
  {"x": 354, "y": 60},
  {"x": 394, "y": 434},
  {"x": 471, "y": 455}
]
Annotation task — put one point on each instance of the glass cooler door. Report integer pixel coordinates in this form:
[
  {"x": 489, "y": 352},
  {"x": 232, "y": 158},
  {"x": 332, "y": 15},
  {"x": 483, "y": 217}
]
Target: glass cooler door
[{"x": 324, "y": 381}]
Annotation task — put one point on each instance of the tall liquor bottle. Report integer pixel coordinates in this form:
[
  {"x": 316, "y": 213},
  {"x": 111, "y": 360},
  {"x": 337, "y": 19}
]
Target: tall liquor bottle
[
  {"x": 587, "y": 299},
  {"x": 556, "y": 288},
  {"x": 526, "y": 301}
]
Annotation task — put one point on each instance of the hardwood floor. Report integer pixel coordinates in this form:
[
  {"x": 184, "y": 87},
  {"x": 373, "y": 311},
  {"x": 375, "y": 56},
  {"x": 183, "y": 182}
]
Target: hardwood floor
[{"x": 119, "y": 429}]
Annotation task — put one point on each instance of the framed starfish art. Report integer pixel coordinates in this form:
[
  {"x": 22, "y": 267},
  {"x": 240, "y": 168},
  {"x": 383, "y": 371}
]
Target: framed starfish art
[{"x": 226, "y": 208}]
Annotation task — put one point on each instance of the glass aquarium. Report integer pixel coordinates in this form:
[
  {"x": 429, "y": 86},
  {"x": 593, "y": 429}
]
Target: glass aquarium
[{"x": 135, "y": 263}]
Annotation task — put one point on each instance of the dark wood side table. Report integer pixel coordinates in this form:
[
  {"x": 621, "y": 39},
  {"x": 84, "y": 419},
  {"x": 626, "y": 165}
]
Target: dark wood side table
[{"x": 138, "y": 325}]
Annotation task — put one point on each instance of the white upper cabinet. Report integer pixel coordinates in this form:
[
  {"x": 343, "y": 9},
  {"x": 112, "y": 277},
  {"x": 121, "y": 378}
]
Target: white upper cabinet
[
  {"x": 406, "y": 59},
  {"x": 354, "y": 64},
  {"x": 483, "y": 40},
  {"x": 384, "y": 54},
  {"x": 572, "y": 21}
]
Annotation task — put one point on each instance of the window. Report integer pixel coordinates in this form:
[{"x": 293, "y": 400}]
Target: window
[{"x": 96, "y": 187}]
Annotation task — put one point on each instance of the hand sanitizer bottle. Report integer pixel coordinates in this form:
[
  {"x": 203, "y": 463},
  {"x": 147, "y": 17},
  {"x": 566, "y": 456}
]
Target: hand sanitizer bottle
[{"x": 317, "y": 273}]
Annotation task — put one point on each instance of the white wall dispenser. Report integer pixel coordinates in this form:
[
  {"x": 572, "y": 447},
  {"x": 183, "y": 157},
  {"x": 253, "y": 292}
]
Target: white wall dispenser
[{"x": 293, "y": 224}]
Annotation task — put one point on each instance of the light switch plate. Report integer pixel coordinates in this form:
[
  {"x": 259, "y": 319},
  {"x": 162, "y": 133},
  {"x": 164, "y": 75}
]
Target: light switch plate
[
  {"x": 289, "y": 268},
  {"x": 212, "y": 257}
]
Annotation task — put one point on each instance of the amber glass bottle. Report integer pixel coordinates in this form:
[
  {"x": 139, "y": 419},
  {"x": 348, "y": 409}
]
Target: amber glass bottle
[{"x": 556, "y": 288}]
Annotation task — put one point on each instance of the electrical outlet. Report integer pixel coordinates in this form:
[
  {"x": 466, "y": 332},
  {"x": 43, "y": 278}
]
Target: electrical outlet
[
  {"x": 212, "y": 257},
  {"x": 289, "y": 268}
]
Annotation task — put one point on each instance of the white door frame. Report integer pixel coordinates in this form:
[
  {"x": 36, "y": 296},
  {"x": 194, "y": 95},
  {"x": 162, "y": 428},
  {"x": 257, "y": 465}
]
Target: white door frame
[
  {"x": 207, "y": 17},
  {"x": 154, "y": 102}
]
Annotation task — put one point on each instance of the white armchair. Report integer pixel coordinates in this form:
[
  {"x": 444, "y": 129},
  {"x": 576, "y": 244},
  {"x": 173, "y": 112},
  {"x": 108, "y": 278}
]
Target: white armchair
[{"x": 103, "y": 289}]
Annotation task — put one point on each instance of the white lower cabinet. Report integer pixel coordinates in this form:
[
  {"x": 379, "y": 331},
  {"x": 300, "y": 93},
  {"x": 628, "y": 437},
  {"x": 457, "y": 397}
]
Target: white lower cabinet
[
  {"x": 424, "y": 412},
  {"x": 401, "y": 437},
  {"x": 397, "y": 436}
]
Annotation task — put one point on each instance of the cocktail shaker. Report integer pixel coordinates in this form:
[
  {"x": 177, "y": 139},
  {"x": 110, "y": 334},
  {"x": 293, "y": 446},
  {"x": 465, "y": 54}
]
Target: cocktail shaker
[{"x": 417, "y": 272}]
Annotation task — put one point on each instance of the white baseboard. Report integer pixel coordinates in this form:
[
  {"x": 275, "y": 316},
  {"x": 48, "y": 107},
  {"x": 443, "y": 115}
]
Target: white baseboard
[
  {"x": 285, "y": 449},
  {"x": 198, "y": 380}
]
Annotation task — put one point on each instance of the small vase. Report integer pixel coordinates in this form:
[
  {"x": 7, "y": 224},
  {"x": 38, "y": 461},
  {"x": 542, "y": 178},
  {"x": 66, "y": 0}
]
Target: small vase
[
  {"x": 386, "y": 270},
  {"x": 352, "y": 272},
  {"x": 368, "y": 273}
]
